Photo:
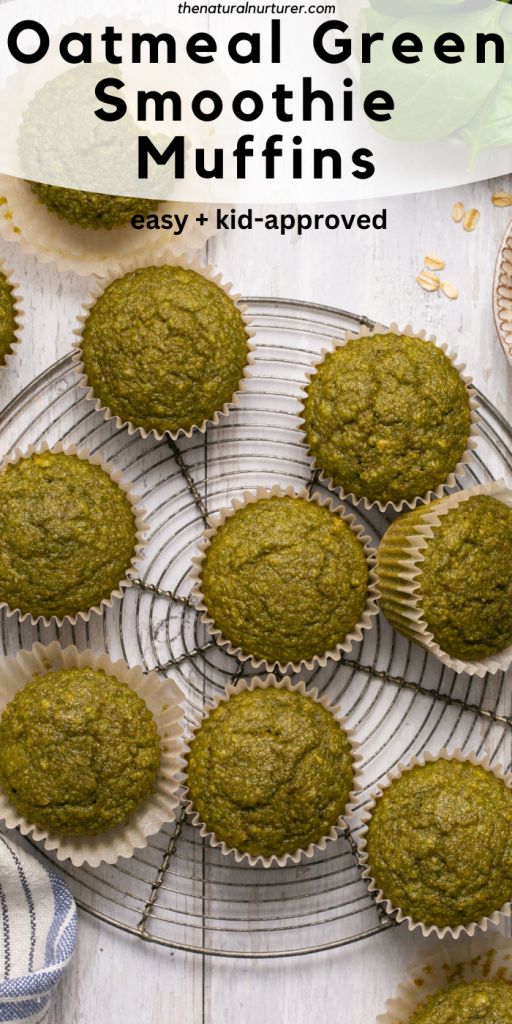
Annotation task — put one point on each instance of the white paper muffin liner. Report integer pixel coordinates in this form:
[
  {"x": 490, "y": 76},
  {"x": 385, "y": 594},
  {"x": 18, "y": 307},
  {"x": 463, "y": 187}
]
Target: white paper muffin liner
[
  {"x": 426, "y": 758},
  {"x": 486, "y": 958},
  {"x": 399, "y": 580},
  {"x": 162, "y": 697},
  {"x": 19, "y": 313},
  {"x": 39, "y": 232},
  {"x": 52, "y": 239},
  {"x": 97, "y": 290},
  {"x": 268, "y": 682},
  {"x": 370, "y": 611},
  {"x": 140, "y": 527},
  {"x": 459, "y": 470}
]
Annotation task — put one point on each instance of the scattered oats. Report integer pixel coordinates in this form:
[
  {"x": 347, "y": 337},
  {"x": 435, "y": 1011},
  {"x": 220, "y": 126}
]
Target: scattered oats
[
  {"x": 429, "y": 282},
  {"x": 434, "y": 263},
  {"x": 502, "y": 199},
  {"x": 449, "y": 290},
  {"x": 458, "y": 212},
  {"x": 471, "y": 219}
]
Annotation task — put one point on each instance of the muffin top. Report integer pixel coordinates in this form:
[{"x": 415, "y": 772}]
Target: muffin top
[
  {"x": 270, "y": 771},
  {"x": 440, "y": 843},
  {"x": 67, "y": 535},
  {"x": 7, "y": 318},
  {"x": 79, "y": 751},
  {"x": 466, "y": 580},
  {"x": 164, "y": 348},
  {"x": 284, "y": 579},
  {"x": 488, "y": 1001},
  {"x": 387, "y": 417},
  {"x": 90, "y": 209}
]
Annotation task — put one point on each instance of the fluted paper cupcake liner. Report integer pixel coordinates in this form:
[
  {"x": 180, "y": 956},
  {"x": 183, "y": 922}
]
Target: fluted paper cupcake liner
[
  {"x": 39, "y": 232},
  {"x": 486, "y": 958},
  {"x": 257, "y": 682},
  {"x": 459, "y": 470},
  {"x": 500, "y": 913},
  {"x": 399, "y": 580},
  {"x": 140, "y": 531},
  {"x": 127, "y": 267},
  {"x": 345, "y": 646},
  {"x": 19, "y": 312},
  {"x": 164, "y": 700},
  {"x": 26, "y": 221}
]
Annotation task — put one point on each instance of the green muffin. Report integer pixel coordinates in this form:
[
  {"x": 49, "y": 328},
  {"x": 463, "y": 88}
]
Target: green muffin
[
  {"x": 7, "y": 318},
  {"x": 67, "y": 535},
  {"x": 164, "y": 348},
  {"x": 79, "y": 751},
  {"x": 91, "y": 209},
  {"x": 284, "y": 579},
  {"x": 270, "y": 771},
  {"x": 487, "y": 1001},
  {"x": 440, "y": 843},
  {"x": 387, "y": 417},
  {"x": 465, "y": 590}
]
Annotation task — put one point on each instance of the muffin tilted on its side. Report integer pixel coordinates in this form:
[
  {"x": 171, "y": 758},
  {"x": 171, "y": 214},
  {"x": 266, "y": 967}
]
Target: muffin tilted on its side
[{"x": 458, "y": 552}]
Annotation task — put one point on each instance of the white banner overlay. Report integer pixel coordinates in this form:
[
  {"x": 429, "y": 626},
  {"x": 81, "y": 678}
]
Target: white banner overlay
[{"x": 268, "y": 103}]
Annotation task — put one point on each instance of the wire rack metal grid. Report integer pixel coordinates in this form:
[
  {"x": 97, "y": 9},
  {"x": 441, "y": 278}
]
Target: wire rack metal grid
[{"x": 180, "y": 892}]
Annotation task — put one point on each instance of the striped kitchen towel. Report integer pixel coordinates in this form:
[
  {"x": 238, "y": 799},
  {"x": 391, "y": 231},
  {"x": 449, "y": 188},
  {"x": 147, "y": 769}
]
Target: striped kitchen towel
[{"x": 37, "y": 933}]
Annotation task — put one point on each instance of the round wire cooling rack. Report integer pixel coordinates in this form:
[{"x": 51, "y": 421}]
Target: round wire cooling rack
[{"x": 178, "y": 891}]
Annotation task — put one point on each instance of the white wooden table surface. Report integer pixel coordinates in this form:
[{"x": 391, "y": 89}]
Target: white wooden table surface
[{"x": 118, "y": 979}]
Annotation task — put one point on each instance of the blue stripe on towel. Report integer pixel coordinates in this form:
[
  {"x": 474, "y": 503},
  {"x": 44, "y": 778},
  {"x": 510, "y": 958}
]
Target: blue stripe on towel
[
  {"x": 6, "y": 932},
  {"x": 64, "y": 922},
  {"x": 20, "y": 1011},
  {"x": 32, "y": 970},
  {"x": 30, "y": 902}
]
